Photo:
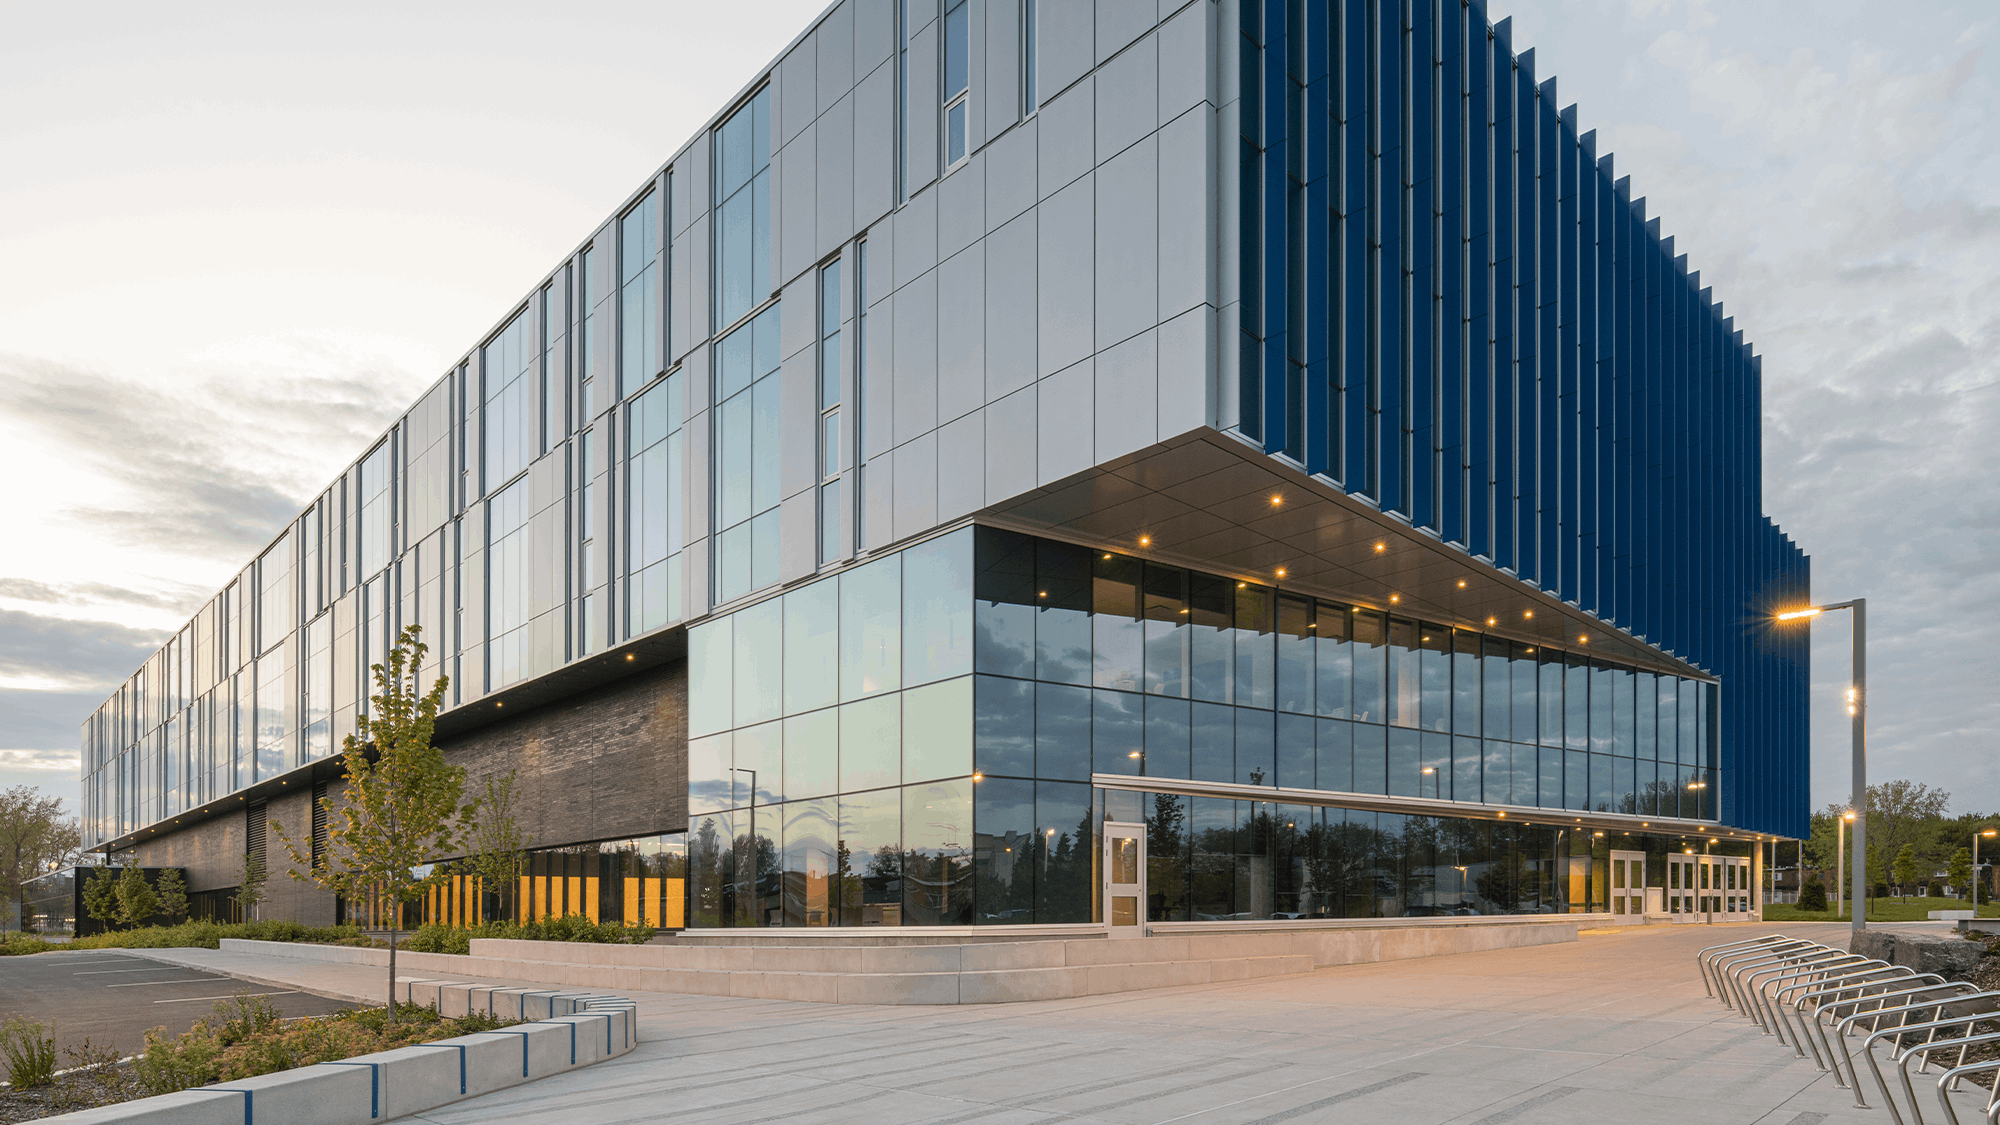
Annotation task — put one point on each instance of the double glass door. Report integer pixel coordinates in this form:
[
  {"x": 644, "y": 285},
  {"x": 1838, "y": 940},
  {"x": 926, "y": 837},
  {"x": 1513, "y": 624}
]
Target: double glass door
[
  {"x": 1628, "y": 883},
  {"x": 1700, "y": 886}
]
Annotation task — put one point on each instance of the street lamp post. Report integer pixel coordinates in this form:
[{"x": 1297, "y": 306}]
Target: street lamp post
[
  {"x": 1840, "y": 862},
  {"x": 1857, "y": 706},
  {"x": 1977, "y": 833}
]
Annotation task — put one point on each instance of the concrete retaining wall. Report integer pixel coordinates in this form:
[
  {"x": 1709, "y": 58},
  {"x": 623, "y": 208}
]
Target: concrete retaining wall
[
  {"x": 571, "y": 1030},
  {"x": 832, "y": 970}
]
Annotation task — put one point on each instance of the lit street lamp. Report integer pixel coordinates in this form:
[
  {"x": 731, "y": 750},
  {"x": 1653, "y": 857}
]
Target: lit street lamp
[
  {"x": 1857, "y": 706},
  {"x": 1976, "y": 881}
]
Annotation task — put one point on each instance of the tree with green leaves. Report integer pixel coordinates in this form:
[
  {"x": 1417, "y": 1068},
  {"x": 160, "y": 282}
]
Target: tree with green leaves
[
  {"x": 401, "y": 807},
  {"x": 172, "y": 892},
  {"x": 100, "y": 896},
  {"x": 35, "y": 837},
  {"x": 1960, "y": 872},
  {"x": 495, "y": 844},
  {"x": 250, "y": 885},
  {"x": 1813, "y": 895},
  {"x": 1906, "y": 870},
  {"x": 136, "y": 900}
]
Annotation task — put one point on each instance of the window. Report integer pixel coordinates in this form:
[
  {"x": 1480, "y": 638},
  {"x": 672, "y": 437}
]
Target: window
[
  {"x": 743, "y": 234},
  {"x": 590, "y": 575},
  {"x": 829, "y": 417},
  {"x": 374, "y": 530},
  {"x": 860, "y": 378},
  {"x": 511, "y": 397},
  {"x": 639, "y": 356},
  {"x": 747, "y": 436},
  {"x": 957, "y": 76},
  {"x": 586, "y": 356},
  {"x": 654, "y": 518},
  {"x": 277, "y": 594},
  {"x": 508, "y": 588}
]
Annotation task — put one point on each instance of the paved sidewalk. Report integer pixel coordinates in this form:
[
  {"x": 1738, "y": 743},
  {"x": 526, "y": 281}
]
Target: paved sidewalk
[{"x": 1613, "y": 1029}]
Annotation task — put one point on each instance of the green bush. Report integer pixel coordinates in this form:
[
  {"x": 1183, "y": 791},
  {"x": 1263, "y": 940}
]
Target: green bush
[
  {"x": 434, "y": 938},
  {"x": 245, "y": 1036},
  {"x": 1813, "y": 896},
  {"x": 201, "y": 935},
  {"x": 30, "y": 1052}
]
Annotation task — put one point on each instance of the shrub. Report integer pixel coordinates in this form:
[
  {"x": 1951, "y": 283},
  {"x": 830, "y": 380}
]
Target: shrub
[
  {"x": 245, "y": 1036},
  {"x": 1937, "y": 888},
  {"x": 1812, "y": 896},
  {"x": 30, "y": 1052},
  {"x": 434, "y": 938},
  {"x": 199, "y": 935}
]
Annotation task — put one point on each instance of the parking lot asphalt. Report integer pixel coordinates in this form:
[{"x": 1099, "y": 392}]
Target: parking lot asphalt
[{"x": 113, "y": 997}]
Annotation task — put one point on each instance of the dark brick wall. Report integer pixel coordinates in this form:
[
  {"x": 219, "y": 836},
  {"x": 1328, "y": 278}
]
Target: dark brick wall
[{"x": 599, "y": 765}]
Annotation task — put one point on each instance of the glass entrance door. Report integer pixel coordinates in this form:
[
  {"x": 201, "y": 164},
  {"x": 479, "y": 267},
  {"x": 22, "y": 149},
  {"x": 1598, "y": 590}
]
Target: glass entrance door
[
  {"x": 1628, "y": 883},
  {"x": 1681, "y": 904},
  {"x": 1125, "y": 879}
]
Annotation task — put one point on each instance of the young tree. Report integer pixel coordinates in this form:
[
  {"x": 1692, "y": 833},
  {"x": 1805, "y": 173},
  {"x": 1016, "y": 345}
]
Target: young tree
[
  {"x": 1960, "y": 872},
  {"x": 1906, "y": 870},
  {"x": 100, "y": 896},
  {"x": 172, "y": 893},
  {"x": 1813, "y": 896},
  {"x": 136, "y": 900},
  {"x": 401, "y": 806},
  {"x": 250, "y": 886},
  {"x": 35, "y": 837},
  {"x": 495, "y": 844}
]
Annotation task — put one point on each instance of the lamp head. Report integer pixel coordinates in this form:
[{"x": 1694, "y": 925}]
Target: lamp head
[{"x": 1801, "y": 614}]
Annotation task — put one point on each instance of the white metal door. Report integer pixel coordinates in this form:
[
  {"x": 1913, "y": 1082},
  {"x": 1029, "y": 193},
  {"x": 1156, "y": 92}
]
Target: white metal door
[
  {"x": 1628, "y": 883},
  {"x": 1681, "y": 893},
  {"x": 1125, "y": 879}
]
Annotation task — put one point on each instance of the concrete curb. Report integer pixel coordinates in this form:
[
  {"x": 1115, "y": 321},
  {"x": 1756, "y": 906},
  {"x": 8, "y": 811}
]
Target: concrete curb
[{"x": 570, "y": 1030}]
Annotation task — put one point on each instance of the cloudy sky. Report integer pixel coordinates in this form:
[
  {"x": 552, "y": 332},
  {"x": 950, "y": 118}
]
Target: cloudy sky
[{"x": 240, "y": 238}]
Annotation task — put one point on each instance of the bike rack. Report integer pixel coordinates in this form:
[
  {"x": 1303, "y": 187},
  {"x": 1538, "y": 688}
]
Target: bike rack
[
  {"x": 1815, "y": 964},
  {"x": 1701, "y": 958}
]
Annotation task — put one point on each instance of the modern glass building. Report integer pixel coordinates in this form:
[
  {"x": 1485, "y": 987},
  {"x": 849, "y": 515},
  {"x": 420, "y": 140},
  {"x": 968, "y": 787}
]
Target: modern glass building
[{"x": 1022, "y": 460}]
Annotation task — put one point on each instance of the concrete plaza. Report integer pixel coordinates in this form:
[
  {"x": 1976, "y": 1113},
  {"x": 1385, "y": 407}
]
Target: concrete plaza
[{"x": 1614, "y": 1028}]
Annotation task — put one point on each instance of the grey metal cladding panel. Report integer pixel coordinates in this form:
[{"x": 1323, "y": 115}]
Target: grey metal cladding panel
[
  {"x": 694, "y": 366},
  {"x": 799, "y": 423},
  {"x": 695, "y": 173},
  {"x": 1187, "y": 344},
  {"x": 1065, "y": 313},
  {"x": 975, "y": 122},
  {"x": 1187, "y": 221},
  {"x": 878, "y": 405},
  {"x": 916, "y": 486},
  {"x": 961, "y": 486},
  {"x": 1065, "y": 428},
  {"x": 874, "y": 146},
  {"x": 698, "y": 584},
  {"x": 1128, "y": 97},
  {"x": 921, "y": 154},
  {"x": 680, "y": 325},
  {"x": 1120, "y": 22},
  {"x": 1010, "y": 307},
  {"x": 796, "y": 101},
  {"x": 878, "y": 506},
  {"x": 796, "y": 173},
  {"x": 1184, "y": 62},
  {"x": 916, "y": 238},
  {"x": 874, "y": 33},
  {"x": 1010, "y": 446},
  {"x": 834, "y": 41},
  {"x": 1002, "y": 88},
  {"x": 1126, "y": 379},
  {"x": 961, "y": 345},
  {"x": 1066, "y": 145},
  {"x": 799, "y": 329},
  {"x": 1063, "y": 36},
  {"x": 698, "y": 288},
  {"x": 1010, "y": 173},
  {"x": 916, "y": 358},
  {"x": 1128, "y": 243},
  {"x": 836, "y": 177},
  {"x": 679, "y": 202},
  {"x": 962, "y": 207},
  {"x": 798, "y": 538}
]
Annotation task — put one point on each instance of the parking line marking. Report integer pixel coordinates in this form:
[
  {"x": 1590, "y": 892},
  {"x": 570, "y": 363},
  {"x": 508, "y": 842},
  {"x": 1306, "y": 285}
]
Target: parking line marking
[
  {"x": 151, "y": 983},
  {"x": 231, "y": 996},
  {"x": 148, "y": 969}
]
